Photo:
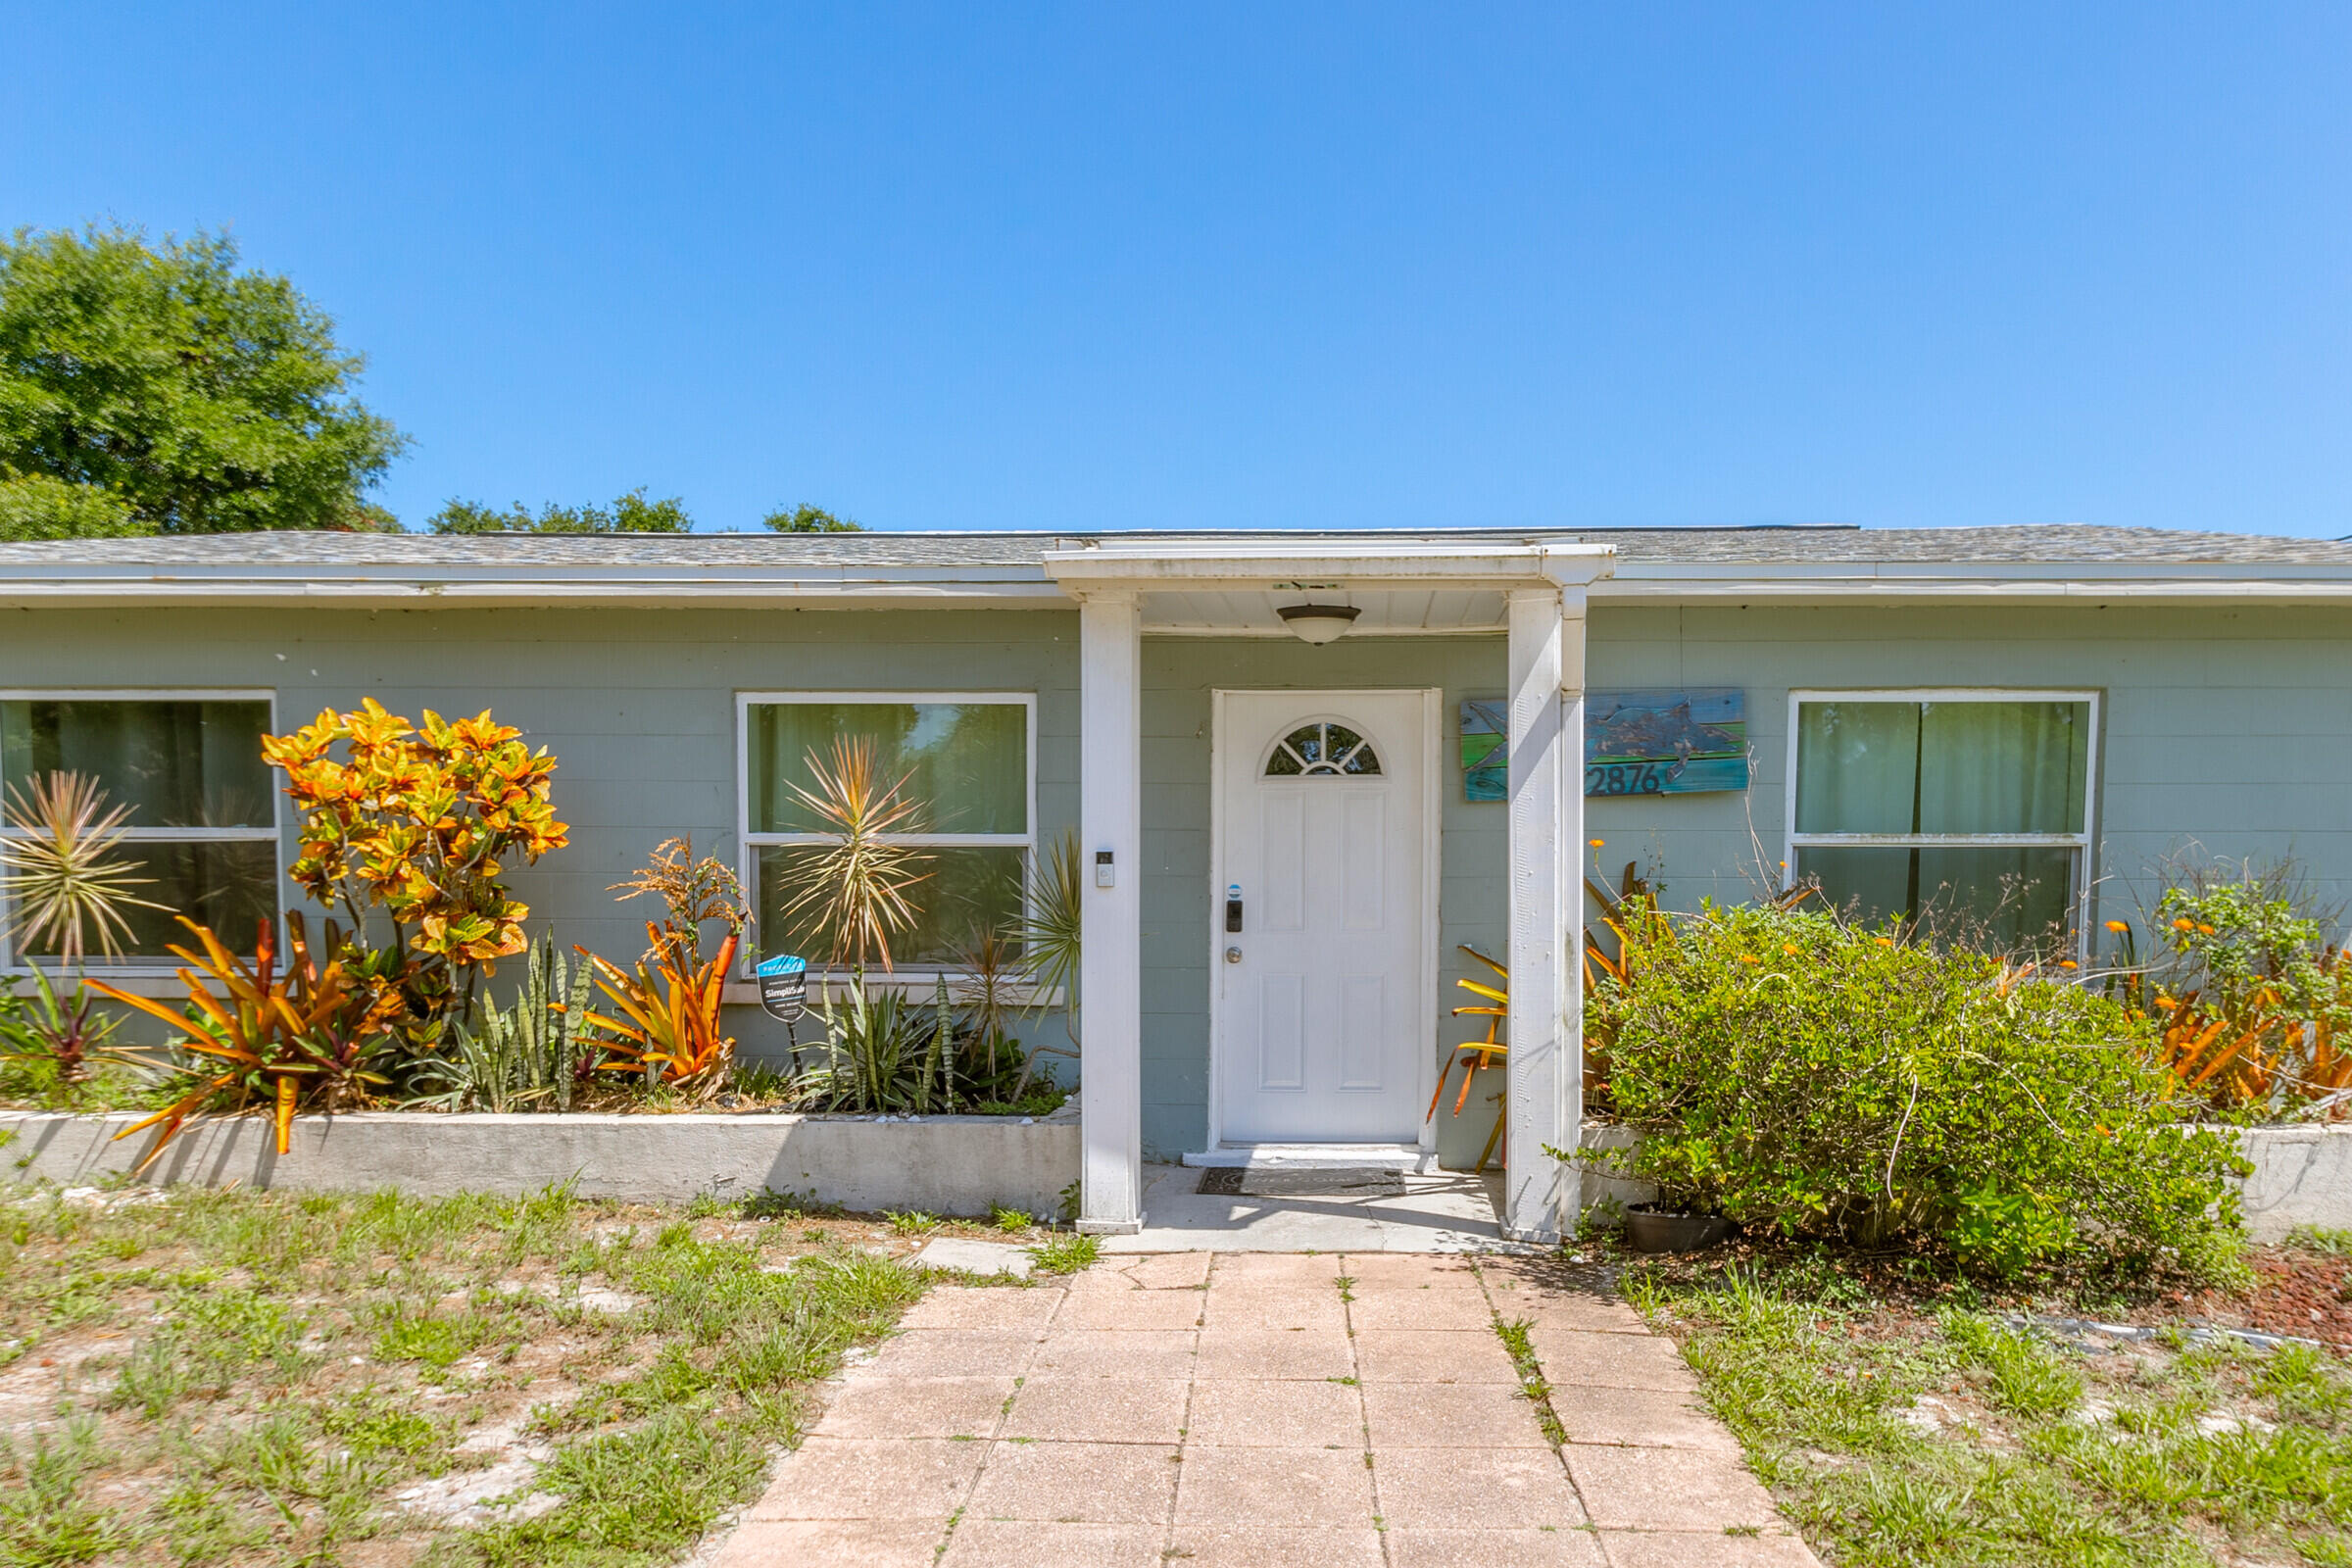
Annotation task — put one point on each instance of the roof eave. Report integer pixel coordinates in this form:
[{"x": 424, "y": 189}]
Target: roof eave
[
  {"x": 1050, "y": 583},
  {"x": 2020, "y": 581},
  {"x": 389, "y": 587}
]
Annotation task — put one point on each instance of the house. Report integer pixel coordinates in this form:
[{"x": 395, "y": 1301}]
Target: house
[{"x": 1303, "y": 768}]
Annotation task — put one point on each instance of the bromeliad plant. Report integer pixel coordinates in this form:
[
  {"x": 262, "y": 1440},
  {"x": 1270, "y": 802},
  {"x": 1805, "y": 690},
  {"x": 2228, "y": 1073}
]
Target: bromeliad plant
[
  {"x": 420, "y": 821},
  {"x": 671, "y": 1029},
  {"x": 61, "y": 1042},
  {"x": 304, "y": 1035}
]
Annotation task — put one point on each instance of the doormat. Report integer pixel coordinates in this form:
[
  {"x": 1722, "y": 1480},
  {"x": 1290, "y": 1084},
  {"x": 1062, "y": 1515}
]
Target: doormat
[{"x": 1301, "y": 1181}]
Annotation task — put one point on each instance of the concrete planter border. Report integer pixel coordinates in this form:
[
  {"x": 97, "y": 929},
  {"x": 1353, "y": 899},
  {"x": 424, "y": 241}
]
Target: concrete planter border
[
  {"x": 938, "y": 1164},
  {"x": 2302, "y": 1176}
]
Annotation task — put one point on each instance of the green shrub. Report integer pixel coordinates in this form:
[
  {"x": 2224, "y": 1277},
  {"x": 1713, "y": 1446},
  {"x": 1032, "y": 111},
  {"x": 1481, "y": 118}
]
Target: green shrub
[{"x": 1815, "y": 1077}]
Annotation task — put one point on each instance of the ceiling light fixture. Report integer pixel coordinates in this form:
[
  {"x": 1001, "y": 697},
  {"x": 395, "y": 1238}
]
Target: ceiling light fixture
[{"x": 1318, "y": 623}]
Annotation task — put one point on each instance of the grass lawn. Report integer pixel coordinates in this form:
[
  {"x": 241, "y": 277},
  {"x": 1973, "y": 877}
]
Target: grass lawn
[
  {"x": 1901, "y": 1421},
  {"x": 240, "y": 1377}
]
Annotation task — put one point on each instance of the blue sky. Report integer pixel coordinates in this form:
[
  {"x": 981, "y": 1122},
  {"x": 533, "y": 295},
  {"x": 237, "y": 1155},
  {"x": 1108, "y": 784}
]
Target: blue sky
[{"x": 1275, "y": 265}]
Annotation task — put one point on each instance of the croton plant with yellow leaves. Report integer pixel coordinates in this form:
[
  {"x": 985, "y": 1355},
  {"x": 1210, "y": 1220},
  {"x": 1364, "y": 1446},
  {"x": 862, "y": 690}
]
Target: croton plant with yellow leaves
[{"x": 421, "y": 822}]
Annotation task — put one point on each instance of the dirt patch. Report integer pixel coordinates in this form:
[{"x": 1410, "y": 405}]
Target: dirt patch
[
  {"x": 270, "y": 1377},
  {"x": 2296, "y": 1293}
]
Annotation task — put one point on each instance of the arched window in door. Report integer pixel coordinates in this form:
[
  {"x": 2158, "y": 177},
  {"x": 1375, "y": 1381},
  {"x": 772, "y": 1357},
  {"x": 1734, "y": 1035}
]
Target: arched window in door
[{"x": 1322, "y": 749}]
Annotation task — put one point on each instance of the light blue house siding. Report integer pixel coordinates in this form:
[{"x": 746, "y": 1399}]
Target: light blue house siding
[
  {"x": 638, "y": 706},
  {"x": 2232, "y": 727},
  {"x": 2227, "y": 728}
]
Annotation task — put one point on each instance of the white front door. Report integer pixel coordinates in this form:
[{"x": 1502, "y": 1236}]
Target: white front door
[{"x": 1320, "y": 994}]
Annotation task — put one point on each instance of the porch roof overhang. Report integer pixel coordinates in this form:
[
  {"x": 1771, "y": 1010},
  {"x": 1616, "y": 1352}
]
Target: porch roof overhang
[{"x": 1409, "y": 587}]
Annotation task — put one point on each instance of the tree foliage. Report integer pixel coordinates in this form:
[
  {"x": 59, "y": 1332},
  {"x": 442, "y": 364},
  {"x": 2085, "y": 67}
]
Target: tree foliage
[
  {"x": 155, "y": 388},
  {"x": 629, "y": 513},
  {"x": 806, "y": 518}
]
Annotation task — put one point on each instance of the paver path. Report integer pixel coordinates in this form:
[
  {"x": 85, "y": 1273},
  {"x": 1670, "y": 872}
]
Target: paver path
[{"x": 1267, "y": 1410}]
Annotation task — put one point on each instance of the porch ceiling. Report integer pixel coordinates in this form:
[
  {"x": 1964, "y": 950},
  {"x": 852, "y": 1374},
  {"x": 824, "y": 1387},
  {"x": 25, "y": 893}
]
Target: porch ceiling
[
  {"x": 1410, "y": 587},
  {"x": 1244, "y": 611}
]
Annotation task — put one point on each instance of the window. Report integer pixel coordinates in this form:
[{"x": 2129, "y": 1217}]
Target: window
[
  {"x": 1970, "y": 810},
  {"x": 1325, "y": 751},
  {"x": 968, "y": 760},
  {"x": 203, "y": 821}
]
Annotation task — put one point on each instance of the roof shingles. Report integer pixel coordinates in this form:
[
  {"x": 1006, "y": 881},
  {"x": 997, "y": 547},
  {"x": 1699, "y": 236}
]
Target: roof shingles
[{"x": 902, "y": 551}]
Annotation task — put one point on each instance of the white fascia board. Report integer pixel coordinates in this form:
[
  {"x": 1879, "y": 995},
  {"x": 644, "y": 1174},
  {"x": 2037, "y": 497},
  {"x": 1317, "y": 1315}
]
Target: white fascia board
[{"x": 1464, "y": 565}]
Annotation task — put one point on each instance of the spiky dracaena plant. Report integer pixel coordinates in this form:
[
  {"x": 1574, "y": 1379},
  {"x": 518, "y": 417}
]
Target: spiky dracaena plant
[
  {"x": 991, "y": 965},
  {"x": 852, "y": 892},
  {"x": 1050, "y": 933},
  {"x": 65, "y": 880}
]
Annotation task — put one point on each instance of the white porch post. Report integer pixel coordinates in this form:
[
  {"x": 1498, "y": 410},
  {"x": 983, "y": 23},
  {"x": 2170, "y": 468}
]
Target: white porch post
[
  {"x": 1111, "y": 959},
  {"x": 1542, "y": 1196}
]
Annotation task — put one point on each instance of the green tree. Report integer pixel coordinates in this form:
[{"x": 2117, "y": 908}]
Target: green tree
[
  {"x": 158, "y": 389},
  {"x": 629, "y": 513},
  {"x": 806, "y": 518},
  {"x": 35, "y": 505}
]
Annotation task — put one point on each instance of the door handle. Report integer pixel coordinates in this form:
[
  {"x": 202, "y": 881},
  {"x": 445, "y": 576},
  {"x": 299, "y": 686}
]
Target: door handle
[{"x": 1233, "y": 954}]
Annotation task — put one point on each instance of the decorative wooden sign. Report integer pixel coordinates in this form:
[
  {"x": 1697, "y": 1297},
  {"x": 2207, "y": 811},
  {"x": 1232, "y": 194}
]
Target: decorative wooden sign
[
  {"x": 1486, "y": 722},
  {"x": 1665, "y": 742},
  {"x": 1636, "y": 743}
]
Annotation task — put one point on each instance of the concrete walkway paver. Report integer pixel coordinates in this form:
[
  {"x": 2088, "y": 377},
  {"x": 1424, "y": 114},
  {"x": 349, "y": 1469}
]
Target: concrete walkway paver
[
  {"x": 1450, "y": 1212},
  {"x": 1267, "y": 1410}
]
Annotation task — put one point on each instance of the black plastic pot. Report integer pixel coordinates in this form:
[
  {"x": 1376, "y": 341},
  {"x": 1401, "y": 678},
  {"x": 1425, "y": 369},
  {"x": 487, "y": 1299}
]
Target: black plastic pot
[{"x": 1655, "y": 1228}]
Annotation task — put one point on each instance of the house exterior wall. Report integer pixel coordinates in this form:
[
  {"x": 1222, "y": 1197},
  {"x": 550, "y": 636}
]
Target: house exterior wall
[
  {"x": 637, "y": 705},
  {"x": 2228, "y": 726}
]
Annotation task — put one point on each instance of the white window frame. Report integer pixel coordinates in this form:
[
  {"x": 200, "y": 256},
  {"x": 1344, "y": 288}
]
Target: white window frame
[
  {"x": 2082, "y": 842},
  {"x": 20, "y": 966},
  {"x": 749, "y": 843}
]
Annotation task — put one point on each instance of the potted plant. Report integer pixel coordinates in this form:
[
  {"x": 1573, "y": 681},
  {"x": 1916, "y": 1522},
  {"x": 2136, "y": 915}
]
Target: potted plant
[{"x": 1665, "y": 1225}]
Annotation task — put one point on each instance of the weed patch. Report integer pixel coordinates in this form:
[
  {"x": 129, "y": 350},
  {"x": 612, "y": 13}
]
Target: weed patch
[
  {"x": 1894, "y": 1430},
  {"x": 1531, "y": 1383},
  {"x": 1065, "y": 1254},
  {"x": 248, "y": 1377}
]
